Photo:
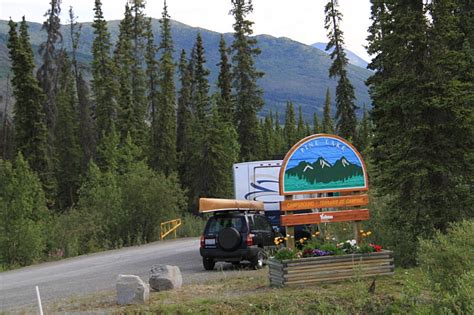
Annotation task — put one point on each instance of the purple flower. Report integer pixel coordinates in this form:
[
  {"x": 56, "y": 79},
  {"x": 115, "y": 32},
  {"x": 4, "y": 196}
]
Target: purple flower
[{"x": 318, "y": 252}]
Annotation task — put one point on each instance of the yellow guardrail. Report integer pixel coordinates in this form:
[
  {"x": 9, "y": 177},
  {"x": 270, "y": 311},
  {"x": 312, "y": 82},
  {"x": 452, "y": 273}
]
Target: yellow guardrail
[{"x": 168, "y": 227}]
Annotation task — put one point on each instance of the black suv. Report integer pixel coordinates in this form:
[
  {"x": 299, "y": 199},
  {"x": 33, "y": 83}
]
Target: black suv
[{"x": 233, "y": 236}]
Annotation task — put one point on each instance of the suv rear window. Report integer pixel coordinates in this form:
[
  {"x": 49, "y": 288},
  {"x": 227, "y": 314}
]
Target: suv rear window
[{"x": 215, "y": 224}]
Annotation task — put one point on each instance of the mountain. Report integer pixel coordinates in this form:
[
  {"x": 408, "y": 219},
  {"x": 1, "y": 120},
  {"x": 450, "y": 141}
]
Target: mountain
[
  {"x": 321, "y": 171},
  {"x": 293, "y": 71},
  {"x": 353, "y": 58}
]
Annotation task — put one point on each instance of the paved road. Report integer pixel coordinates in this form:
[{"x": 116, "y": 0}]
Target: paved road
[{"x": 98, "y": 272}]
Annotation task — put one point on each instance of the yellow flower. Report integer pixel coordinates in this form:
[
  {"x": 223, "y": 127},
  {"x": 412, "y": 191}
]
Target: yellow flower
[
  {"x": 364, "y": 234},
  {"x": 362, "y": 231},
  {"x": 368, "y": 233}
]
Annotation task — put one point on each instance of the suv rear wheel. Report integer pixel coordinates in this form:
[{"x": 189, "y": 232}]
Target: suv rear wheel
[
  {"x": 258, "y": 260},
  {"x": 208, "y": 263}
]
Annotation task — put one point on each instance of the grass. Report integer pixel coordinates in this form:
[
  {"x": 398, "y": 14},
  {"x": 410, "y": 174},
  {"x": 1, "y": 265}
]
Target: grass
[{"x": 248, "y": 292}]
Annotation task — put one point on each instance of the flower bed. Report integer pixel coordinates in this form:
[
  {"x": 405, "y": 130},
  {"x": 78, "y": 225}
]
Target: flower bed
[{"x": 313, "y": 270}]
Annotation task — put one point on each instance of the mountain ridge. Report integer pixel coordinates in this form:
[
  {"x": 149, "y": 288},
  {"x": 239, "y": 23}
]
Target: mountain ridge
[{"x": 293, "y": 71}]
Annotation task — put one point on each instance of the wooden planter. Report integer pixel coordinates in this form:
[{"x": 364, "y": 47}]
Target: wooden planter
[{"x": 313, "y": 270}]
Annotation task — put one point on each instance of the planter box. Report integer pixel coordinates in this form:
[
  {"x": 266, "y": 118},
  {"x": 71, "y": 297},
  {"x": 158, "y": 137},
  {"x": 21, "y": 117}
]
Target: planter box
[{"x": 313, "y": 270}]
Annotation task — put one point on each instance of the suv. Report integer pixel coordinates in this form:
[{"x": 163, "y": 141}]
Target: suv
[{"x": 233, "y": 236}]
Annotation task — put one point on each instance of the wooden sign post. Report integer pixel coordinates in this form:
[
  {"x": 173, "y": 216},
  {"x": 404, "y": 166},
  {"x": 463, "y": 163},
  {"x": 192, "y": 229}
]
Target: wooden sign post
[{"x": 323, "y": 164}]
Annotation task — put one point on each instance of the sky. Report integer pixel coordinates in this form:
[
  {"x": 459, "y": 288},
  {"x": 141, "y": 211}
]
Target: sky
[{"x": 300, "y": 20}]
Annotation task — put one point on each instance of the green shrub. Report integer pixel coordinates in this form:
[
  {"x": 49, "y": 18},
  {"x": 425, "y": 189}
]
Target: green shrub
[
  {"x": 448, "y": 264},
  {"x": 285, "y": 253},
  {"x": 191, "y": 225},
  {"x": 448, "y": 256},
  {"x": 332, "y": 248},
  {"x": 23, "y": 214}
]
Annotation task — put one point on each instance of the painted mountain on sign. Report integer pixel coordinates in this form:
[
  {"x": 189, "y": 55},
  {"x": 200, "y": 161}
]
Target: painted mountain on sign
[{"x": 323, "y": 175}]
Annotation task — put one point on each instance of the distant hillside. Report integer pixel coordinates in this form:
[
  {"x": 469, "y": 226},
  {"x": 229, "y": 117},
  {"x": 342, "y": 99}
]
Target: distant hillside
[
  {"x": 293, "y": 71},
  {"x": 353, "y": 58}
]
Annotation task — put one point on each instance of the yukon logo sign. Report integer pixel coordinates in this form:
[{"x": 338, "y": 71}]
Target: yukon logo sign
[
  {"x": 322, "y": 163},
  {"x": 326, "y": 217}
]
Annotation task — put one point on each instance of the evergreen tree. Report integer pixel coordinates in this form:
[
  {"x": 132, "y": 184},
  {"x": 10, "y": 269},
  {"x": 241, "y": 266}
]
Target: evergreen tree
[
  {"x": 67, "y": 148},
  {"x": 48, "y": 72},
  {"x": 139, "y": 36},
  {"x": 280, "y": 142},
  {"x": 327, "y": 125},
  {"x": 345, "y": 113},
  {"x": 31, "y": 135},
  {"x": 316, "y": 126},
  {"x": 184, "y": 121},
  {"x": 152, "y": 78},
  {"x": 268, "y": 141},
  {"x": 290, "y": 126},
  {"x": 128, "y": 120},
  {"x": 23, "y": 214},
  {"x": 220, "y": 151},
  {"x": 224, "y": 83},
  {"x": 300, "y": 127},
  {"x": 104, "y": 88},
  {"x": 164, "y": 156},
  {"x": 248, "y": 96},
  {"x": 423, "y": 127},
  {"x": 200, "y": 93},
  {"x": 86, "y": 130},
  {"x": 364, "y": 132}
]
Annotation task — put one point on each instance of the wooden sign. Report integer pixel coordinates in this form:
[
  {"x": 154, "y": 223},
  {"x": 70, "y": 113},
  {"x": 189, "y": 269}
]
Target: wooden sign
[
  {"x": 322, "y": 163},
  {"x": 329, "y": 202},
  {"x": 324, "y": 217}
]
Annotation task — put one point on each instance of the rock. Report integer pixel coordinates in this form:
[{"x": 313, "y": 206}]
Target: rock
[
  {"x": 165, "y": 277},
  {"x": 132, "y": 290}
]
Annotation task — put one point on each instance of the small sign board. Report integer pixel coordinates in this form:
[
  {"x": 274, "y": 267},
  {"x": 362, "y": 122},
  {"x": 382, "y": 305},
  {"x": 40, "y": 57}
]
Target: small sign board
[
  {"x": 325, "y": 217},
  {"x": 322, "y": 163},
  {"x": 329, "y": 202}
]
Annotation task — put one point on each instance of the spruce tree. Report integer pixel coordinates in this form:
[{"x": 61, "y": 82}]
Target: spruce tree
[
  {"x": 87, "y": 137},
  {"x": 67, "y": 143},
  {"x": 152, "y": 77},
  {"x": 268, "y": 141},
  {"x": 248, "y": 96},
  {"x": 124, "y": 63},
  {"x": 48, "y": 71},
  {"x": 220, "y": 151},
  {"x": 104, "y": 87},
  {"x": 345, "y": 113},
  {"x": 184, "y": 138},
  {"x": 316, "y": 126},
  {"x": 291, "y": 136},
  {"x": 200, "y": 93},
  {"x": 31, "y": 133},
  {"x": 280, "y": 142},
  {"x": 327, "y": 124},
  {"x": 364, "y": 131},
  {"x": 300, "y": 127},
  {"x": 419, "y": 125},
  {"x": 224, "y": 83},
  {"x": 164, "y": 156}
]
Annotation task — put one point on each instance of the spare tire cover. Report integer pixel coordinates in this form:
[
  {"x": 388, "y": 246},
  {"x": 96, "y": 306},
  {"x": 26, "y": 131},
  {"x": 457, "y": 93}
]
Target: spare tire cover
[{"x": 229, "y": 238}]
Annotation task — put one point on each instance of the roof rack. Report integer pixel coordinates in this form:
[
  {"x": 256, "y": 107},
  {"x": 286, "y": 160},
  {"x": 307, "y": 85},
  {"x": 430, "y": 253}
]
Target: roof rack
[{"x": 208, "y": 205}]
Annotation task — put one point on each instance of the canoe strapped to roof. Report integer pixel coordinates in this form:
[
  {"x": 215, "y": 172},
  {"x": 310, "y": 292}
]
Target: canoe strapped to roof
[{"x": 213, "y": 205}]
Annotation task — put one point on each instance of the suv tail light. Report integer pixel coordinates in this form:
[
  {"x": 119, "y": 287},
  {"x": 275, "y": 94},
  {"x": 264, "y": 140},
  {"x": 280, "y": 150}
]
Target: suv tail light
[
  {"x": 250, "y": 239},
  {"x": 202, "y": 241}
]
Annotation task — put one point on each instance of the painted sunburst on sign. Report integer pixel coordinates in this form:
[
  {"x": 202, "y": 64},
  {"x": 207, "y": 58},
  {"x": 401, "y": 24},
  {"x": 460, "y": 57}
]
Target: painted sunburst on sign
[{"x": 322, "y": 163}]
